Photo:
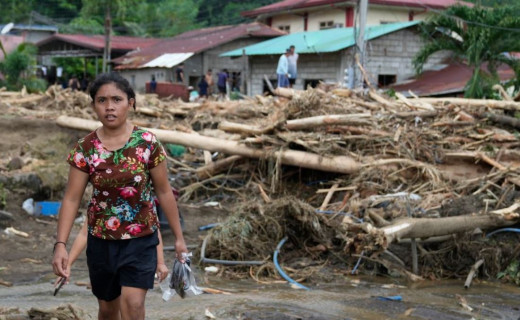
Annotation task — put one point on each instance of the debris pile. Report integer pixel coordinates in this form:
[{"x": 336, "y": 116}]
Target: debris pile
[{"x": 411, "y": 185}]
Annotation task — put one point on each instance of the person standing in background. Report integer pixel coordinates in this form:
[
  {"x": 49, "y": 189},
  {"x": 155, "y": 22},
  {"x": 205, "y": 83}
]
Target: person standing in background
[
  {"x": 153, "y": 84},
  {"x": 223, "y": 77},
  {"x": 179, "y": 73},
  {"x": 209, "y": 81},
  {"x": 282, "y": 70},
  {"x": 293, "y": 69}
]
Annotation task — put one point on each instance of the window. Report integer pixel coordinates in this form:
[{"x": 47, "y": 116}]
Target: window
[
  {"x": 326, "y": 25},
  {"x": 286, "y": 28},
  {"x": 384, "y": 80}
]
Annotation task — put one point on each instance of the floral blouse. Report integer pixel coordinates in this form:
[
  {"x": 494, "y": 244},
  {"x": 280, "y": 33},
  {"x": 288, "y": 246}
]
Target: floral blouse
[{"x": 122, "y": 205}]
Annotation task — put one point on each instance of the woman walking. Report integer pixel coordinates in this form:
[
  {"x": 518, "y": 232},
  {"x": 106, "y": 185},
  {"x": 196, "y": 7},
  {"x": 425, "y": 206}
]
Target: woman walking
[{"x": 123, "y": 163}]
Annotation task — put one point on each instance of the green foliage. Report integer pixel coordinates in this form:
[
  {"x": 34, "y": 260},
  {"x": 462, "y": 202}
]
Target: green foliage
[
  {"x": 512, "y": 272},
  {"x": 475, "y": 36},
  {"x": 16, "y": 63},
  {"x": 218, "y": 12},
  {"x": 75, "y": 66},
  {"x": 91, "y": 25}
]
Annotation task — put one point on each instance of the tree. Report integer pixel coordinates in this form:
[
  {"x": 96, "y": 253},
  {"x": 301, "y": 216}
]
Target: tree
[
  {"x": 225, "y": 12},
  {"x": 474, "y": 35},
  {"x": 18, "y": 62}
]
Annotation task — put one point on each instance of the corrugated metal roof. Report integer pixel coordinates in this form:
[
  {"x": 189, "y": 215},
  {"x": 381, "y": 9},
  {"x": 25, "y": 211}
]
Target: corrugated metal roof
[
  {"x": 330, "y": 40},
  {"x": 168, "y": 60},
  {"x": 195, "y": 41},
  {"x": 450, "y": 80},
  {"x": 97, "y": 42},
  {"x": 288, "y": 5}
]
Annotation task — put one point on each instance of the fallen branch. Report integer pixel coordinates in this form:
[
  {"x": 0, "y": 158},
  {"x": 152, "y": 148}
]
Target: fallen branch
[
  {"x": 217, "y": 167},
  {"x": 335, "y": 119},
  {"x": 472, "y": 273},
  {"x": 339, "y": 164},
  {"x": 496, "y": 104}
]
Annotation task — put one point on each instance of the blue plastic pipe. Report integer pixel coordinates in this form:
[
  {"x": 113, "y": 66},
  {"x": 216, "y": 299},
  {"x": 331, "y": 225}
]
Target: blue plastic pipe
[
  {"x": 503, "y": 230},
  {"x": 279, "y": 269}
]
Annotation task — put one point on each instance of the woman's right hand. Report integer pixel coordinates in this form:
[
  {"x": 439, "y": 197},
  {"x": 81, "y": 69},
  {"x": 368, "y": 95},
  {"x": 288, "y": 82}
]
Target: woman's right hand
[
  {"x": 60, "y": 261},
  {"x": 58, "y": 279}
]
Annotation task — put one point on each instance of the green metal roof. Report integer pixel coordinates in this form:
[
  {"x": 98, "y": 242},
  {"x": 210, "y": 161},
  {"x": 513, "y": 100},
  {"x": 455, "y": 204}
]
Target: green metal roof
[{"x": 330, "y": 40}]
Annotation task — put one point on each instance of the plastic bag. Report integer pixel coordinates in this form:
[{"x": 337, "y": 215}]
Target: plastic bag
[{"x": 182, "y": 279}]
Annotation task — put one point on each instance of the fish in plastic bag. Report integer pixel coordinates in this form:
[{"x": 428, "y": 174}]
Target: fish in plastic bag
[{"x": 182, "y": 279}]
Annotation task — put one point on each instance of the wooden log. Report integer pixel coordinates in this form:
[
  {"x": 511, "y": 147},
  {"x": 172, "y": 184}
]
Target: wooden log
[
  {"x": 390, "y": 105},
  {"x": 415, "y": 105},
  {"x": 334, "y": 119},
  {"x": 339, "y": 164},
  {"x": 432, "y": 227},
  {"x": 496, "y": 104},
  {"x": 217, "y": 167},
  {"x": 505, "y": 120},
  {"x": 285, "y": 92},
  {"x": 243, "y": 128},
  {"x": 420, "y": 114}
]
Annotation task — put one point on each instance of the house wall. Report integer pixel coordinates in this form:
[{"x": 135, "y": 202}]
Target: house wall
[
  {"x": 338, "y": 16},
  {"x": 324, "y": 67},
  {"x": 296, "y": 22},
  {"x": 375, "y": 15},
  {"x": 389, "y": 55},
  {"x": 194, "y": 67},
  {"x": 139, "y": 77},
  {"x": 393, "y": 53}
]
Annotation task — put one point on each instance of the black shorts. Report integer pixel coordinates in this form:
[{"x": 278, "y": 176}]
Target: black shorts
[
  {"x": 116, "y": 263},
  {"x": 292, "y": 81},
  {"x": 221, "y": 89}
]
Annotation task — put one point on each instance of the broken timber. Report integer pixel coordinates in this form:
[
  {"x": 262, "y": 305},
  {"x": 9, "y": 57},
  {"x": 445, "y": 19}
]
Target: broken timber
[{"x": 339, "y": 164}]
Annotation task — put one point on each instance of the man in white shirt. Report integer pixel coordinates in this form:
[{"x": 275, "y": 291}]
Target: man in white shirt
[
  {"x": 293, "y": 70},
  {"x": 282, "y": 71}
]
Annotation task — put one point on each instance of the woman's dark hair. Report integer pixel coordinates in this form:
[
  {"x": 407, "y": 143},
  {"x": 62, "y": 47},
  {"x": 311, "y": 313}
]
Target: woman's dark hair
[{"x": 115, "y": 78}]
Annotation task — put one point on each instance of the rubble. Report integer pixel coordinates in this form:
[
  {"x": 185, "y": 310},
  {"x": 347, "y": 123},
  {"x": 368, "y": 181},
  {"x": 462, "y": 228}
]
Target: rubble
[{"x": 345, "y": 174}]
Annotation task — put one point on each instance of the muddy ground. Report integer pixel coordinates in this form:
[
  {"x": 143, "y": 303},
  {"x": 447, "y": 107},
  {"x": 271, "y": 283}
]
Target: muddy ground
[{"x": 26, "y": 273}]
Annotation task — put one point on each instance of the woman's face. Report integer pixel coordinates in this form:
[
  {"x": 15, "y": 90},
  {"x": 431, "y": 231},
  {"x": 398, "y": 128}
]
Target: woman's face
[{"x": 112, "y": 106}]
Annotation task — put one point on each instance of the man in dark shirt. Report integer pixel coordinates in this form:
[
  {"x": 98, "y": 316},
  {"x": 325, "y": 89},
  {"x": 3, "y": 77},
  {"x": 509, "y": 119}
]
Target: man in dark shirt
[
  {"x": 222, "y": 83},
  {"x": 179, "y": 72}
]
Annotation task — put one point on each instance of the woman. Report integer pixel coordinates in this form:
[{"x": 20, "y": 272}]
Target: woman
[{"x": 122, "y": 162}]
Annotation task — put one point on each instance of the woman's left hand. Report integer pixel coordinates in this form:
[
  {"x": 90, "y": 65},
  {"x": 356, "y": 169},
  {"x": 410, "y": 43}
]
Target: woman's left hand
[{"x": 162, "y": 271}]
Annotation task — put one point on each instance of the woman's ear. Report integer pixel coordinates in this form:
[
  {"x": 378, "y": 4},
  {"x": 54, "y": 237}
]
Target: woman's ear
[{"x": 131, "y": 101}]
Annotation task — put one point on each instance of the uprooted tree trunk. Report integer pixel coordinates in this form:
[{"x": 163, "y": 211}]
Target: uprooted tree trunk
[
  {"x": 381, "y": 238},
  {"x": 339, "y": 164}
]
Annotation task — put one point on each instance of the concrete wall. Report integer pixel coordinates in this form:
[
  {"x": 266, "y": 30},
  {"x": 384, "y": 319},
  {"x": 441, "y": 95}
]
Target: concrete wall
[
  {"x": 325, "y": 67},
  {"x": 295, "y": 21},
  {"x": 376, "y": 15},
  {"x": 335, "y": 15},
  {"x": 391, "y": 54}
]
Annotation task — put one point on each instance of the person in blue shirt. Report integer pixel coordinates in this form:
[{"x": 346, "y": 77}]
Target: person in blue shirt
[
  {"x": 282, "y": 71},
  {"x": 222, "y": 82}
]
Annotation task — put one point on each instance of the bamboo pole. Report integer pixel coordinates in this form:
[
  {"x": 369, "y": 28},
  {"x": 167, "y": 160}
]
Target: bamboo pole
[
  {"x": 339, "y": 164},
  {"x": 496, "y": 104},
  {"x": 333, "y": 119}
]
